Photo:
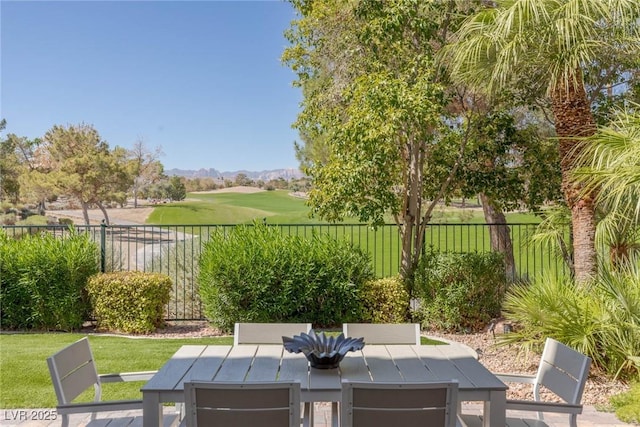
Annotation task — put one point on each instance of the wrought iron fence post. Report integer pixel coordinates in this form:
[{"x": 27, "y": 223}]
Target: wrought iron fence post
[{"x": 103, "y": 246}]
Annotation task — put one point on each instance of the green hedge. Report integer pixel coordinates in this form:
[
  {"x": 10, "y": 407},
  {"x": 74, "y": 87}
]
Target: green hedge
[
  {"x": 129, "y": 301},
  {"x": 257, "y": 274},
  {"x": 43, "y": 278},
  {"x": 459, "y": 291}
]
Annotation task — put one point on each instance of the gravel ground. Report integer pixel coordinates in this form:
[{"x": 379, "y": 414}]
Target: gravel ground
[
  {"x": 511, "y": 359},
  {"x": 496, "y": 358}
]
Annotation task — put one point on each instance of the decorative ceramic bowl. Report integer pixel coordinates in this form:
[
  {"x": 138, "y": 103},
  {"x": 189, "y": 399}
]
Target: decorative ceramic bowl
[{"x": 321, "y": 351}]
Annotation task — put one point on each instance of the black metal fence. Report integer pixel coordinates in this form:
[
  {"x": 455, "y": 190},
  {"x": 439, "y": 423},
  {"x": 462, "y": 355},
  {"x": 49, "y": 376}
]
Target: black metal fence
[{"x": 175, "y": 250}]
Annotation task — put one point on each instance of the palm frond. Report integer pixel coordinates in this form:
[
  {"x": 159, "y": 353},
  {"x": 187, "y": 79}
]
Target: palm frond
[
  {"x": 610, "y": 162},
  {"x": 559, "y": 36}
]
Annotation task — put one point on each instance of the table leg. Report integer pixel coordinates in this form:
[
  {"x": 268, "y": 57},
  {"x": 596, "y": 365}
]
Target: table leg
[
  {"x": 335, "y": 416},
  {"x": 151, "y": 410},
  {"x": 495, "y": 410}
]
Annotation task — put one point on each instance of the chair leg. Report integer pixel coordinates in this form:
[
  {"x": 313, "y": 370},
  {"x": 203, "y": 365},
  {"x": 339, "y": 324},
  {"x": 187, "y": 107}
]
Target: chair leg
[
  {"x": 335, "y": 415},
  {"x": 180, "y": 410},
  {"x": 307, "y": 419},
  {"x": 573, "y": 420}
]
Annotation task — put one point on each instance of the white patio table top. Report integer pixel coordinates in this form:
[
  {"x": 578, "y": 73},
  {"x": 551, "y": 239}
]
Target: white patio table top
[{"x": 378, "y": 363}]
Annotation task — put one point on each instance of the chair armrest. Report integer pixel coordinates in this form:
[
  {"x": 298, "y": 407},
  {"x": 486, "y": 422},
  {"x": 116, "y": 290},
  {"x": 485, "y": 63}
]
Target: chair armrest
[
  {"x": 84, "y": 407},
  {"x": 127, "y": 376},
  {"x": 530, "y": 405},
  {"x": 516, "y": 378}
]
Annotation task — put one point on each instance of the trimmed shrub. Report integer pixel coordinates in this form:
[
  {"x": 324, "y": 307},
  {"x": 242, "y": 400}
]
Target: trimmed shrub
[
  {"x": 129, "y": 301},
  {"x": 258, "y": 274},
  {"x": 43, "y": 278},
  {"x": 459, "y": 291},
  {"x": 385, "y": 301}
]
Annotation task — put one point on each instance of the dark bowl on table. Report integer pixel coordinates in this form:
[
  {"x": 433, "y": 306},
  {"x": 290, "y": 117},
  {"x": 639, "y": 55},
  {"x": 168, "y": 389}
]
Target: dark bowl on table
[{"x": 321, "y": 351}]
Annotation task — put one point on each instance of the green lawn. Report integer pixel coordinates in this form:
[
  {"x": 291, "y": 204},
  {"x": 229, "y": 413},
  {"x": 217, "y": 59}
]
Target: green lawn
[
  {"x": 24, "y": 376},
  {"x": 234, "y": 208},
  {"x": 278, "y": 207}
]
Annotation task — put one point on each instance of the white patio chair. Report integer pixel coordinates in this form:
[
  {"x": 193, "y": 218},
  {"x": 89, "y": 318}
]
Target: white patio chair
[
  {"x": 73, "y": 371},
  {"x": 267, "y": 333},
  {"x": 265, "y": 404},
  {"x": 392, "y": 404},
  {"x": 562, "y": 371},
  {"x": 272, "y": 333},
  {"x": 384, "y": 333}
]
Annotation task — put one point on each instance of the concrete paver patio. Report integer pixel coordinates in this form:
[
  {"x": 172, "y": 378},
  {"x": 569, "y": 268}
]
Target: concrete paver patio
[{"x": 589, "y": 418}]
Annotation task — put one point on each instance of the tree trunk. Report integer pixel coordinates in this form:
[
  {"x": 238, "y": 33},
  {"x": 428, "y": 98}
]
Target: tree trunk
[
  {"x": 499, "y": 234},
  {"x": 104, "y": 212},
  {"x": 574, "y": 121},
  {"x": 42, "y": 208},
  {"x": 136, "y": 186},
  {"x": 412, "y": 211},
  {"x": 85, "y": 212}
]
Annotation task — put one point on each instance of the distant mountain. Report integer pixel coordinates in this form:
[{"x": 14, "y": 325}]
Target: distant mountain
[{"x": 266, "y": 175}]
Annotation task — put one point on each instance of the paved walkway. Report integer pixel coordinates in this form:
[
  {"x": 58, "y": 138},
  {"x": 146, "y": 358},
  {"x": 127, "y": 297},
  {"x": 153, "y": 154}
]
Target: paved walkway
[{"x": 28, "y": 417}]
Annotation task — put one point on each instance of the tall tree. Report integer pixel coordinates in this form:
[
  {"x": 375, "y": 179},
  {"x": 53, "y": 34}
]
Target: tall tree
[
  {"x": 9, "y": 167},
  {"x": 145, "y": 168},
  {"x": 84, "y": 167},
  {"x": 20, "y": 166},
  {"x": 553, "y": 41},
  {"x": 376, "y": 134}
]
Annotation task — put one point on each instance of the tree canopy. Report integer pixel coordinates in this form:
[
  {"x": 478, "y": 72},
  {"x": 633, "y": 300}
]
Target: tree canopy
[
  {"x": 553, "y": 43},
  {"x": 377, "y": 137},
  {"x": 84, "y": 167}
]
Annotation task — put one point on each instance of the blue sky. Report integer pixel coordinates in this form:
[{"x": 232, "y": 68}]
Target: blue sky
[{"x": 200, "y": 79}]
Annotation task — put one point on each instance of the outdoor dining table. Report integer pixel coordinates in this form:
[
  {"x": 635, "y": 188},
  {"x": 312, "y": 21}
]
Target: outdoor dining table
[{"x": 376, "y": 363}]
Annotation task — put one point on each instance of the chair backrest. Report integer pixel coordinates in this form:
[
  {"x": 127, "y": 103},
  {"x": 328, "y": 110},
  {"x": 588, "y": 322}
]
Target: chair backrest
[
  {"x": 406, "y": 404},
  {"x": 562, "y": 370},
  {"x": 267, "y": 404},
  {"x": 73, "y": 371},
  {"x": 267, "y": 333},
  {"x": 384, "y": 333}
]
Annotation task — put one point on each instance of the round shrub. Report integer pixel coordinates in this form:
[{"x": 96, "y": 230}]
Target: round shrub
[
  {"x": 385, "y": 301},
  {"x": 259, "y": 274},
  {"x": 129, "y": 301},
  {"x": 460, "y": 291}
]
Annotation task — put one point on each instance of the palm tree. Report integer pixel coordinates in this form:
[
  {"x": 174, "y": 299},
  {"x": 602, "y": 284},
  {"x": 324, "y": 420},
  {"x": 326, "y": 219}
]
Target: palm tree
[
  {"x": 548, "y": 43},
  {"x": 610, "y": 161}
]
